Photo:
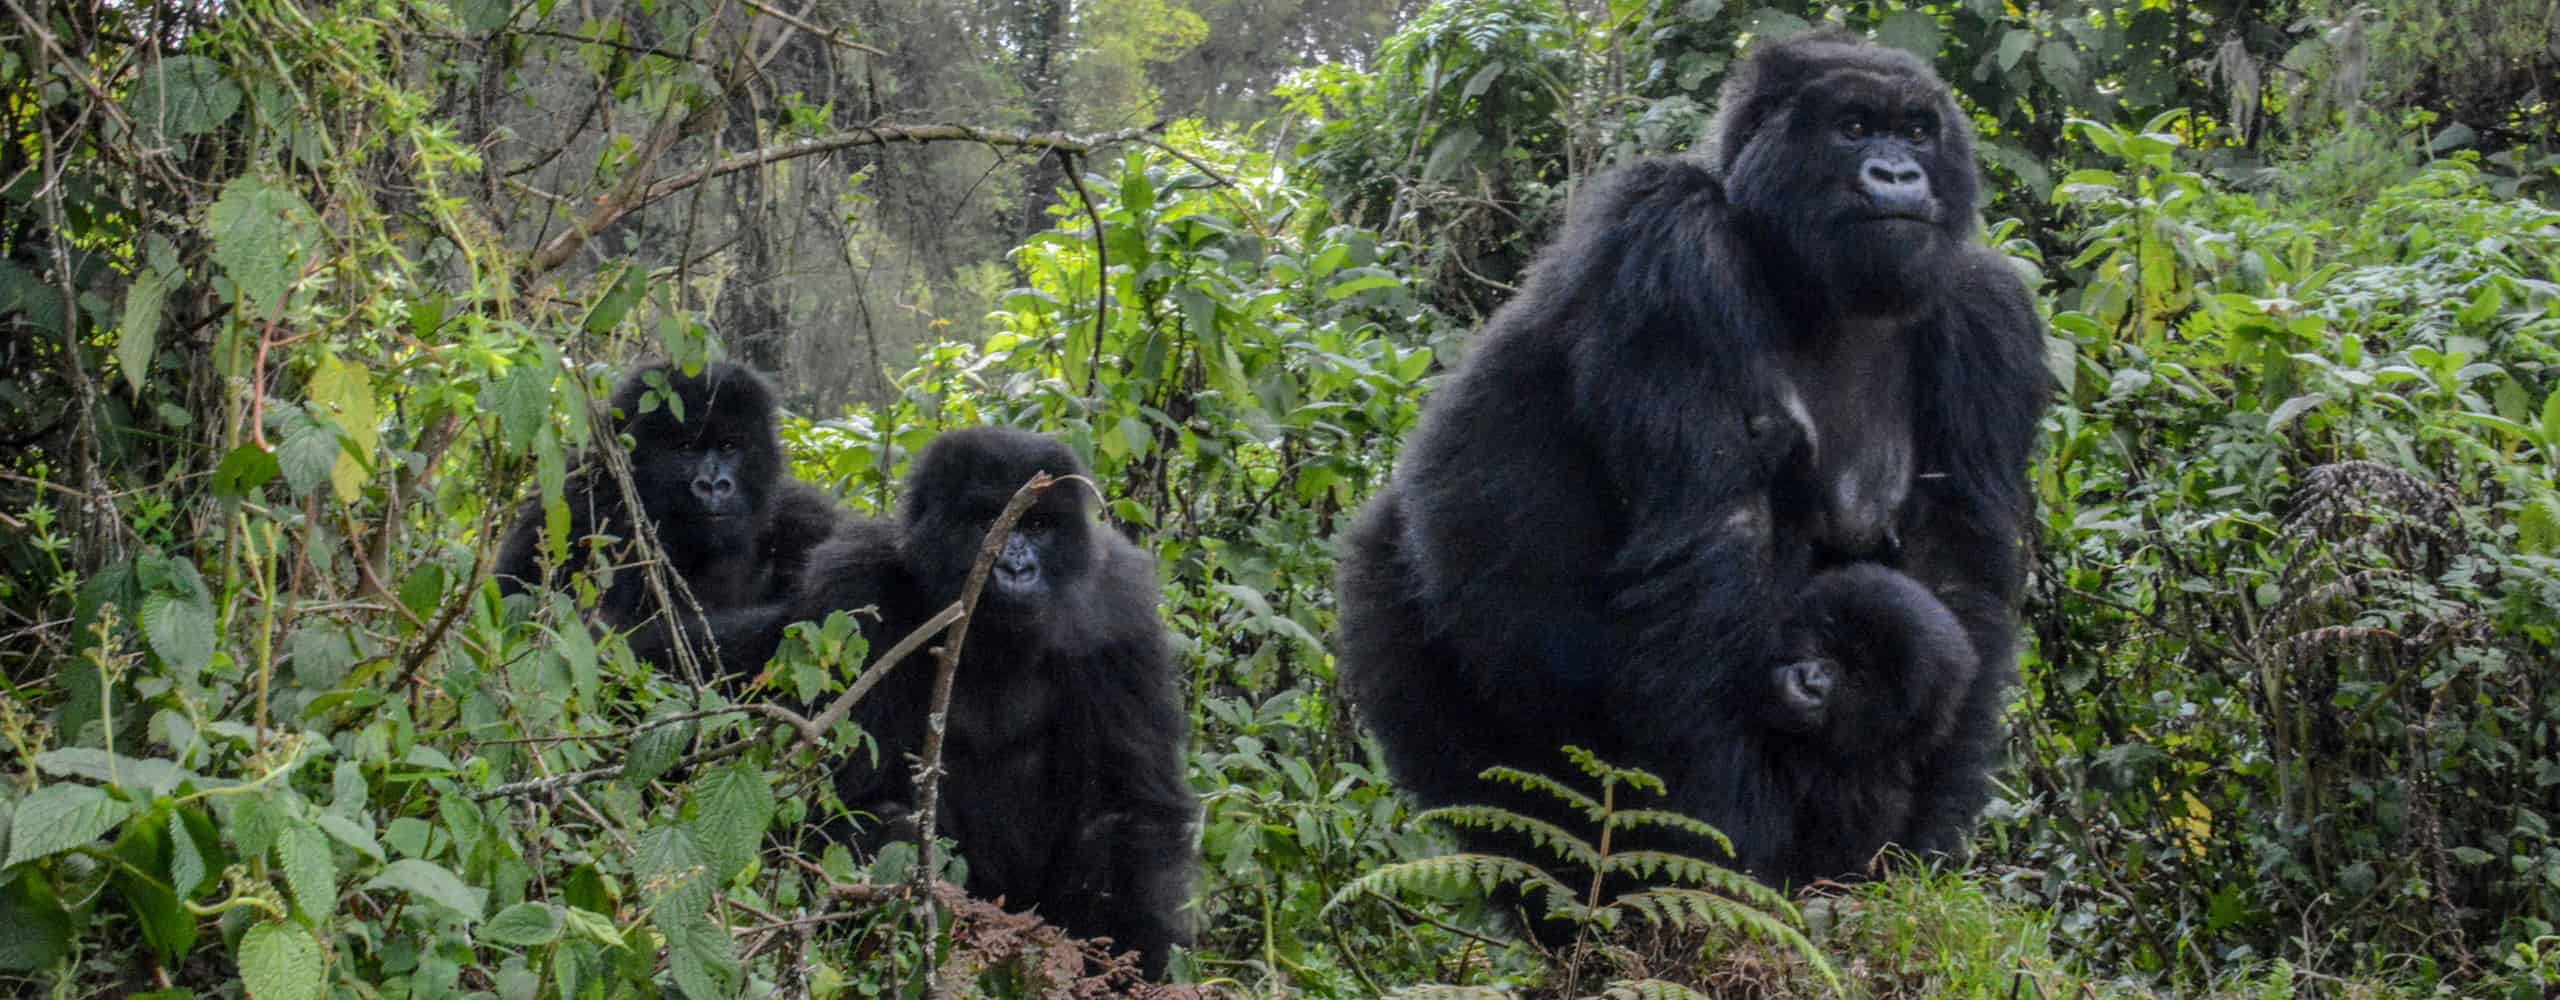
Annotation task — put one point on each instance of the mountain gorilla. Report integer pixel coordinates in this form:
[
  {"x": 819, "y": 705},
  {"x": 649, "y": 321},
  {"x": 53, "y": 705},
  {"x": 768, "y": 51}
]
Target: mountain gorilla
[
  {"x": 1064, "y": 773},
  {"x": 1870, "y": 664},
  {"x": 707, "y": 465},
  {"x": 1730, "y": 373}
]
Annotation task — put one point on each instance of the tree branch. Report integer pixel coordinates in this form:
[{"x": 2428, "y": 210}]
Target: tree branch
[
  {"x": 633, "y": 197},
  {"x": 929, "y": 767}
]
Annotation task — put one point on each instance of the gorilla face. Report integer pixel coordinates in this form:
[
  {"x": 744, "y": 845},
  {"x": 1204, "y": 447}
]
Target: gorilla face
[
  {"x": 1863, "y": 172},
  {"x": 959, "y": 488},
  {"x": 1872, "y": 660},
  {"x": 704, "y": 452}
]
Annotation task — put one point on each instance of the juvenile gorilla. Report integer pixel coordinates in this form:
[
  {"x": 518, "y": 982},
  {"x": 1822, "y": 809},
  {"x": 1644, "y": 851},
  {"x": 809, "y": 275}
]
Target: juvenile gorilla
[
  {"x": 1870, "y": 665},
  {"x": 1729, "y": 372},
  {"x": 1064, "y": 774},
  {"x": 707, "y": 464}
]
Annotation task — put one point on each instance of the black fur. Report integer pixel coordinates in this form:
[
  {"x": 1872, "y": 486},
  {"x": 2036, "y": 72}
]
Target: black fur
[
  {"x": 1728, "y": 372},
  {"x": 734, "y": 546},
  {"x": 1871, "y": 682},
  {"x": 1064, "y": 753}
]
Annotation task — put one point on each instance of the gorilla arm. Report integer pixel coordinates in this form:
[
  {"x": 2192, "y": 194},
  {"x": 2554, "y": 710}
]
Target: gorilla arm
[
  {"x": 1674, "y": 389},
  {"x": 1136, "y": 846},
  {"x": 1983, "y": 395}
]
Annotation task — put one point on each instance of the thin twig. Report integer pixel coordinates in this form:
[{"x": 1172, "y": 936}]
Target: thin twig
[
  {"x": 614, "y": 206},
  {"x": 838, "y": 709},
  {"x": 929, "y": 767},
  {"x": 1101, "y": 268}
]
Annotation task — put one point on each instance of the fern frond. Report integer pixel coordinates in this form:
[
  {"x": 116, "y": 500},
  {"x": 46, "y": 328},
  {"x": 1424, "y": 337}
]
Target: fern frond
[
  {"x": 1540, "y": 832},
  {"x": 1608, "y": 773},
  {"x": 1442, "y": 991},
  {"x": 1543, "y": 785},
  {"x": 1442, "y": 875},
  {"x": 1629, "y": 819},
  {"x": 1693, "y": 909},
  {"x": 1693, "y": 873},
  {"x": 1649, "y": 989}
]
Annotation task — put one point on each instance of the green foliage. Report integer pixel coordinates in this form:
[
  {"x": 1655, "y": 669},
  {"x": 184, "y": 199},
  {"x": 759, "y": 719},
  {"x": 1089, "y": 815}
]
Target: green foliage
[
  {"x": 2295, "y": 586},
  {"x": 1685, "y": 894},
  {"x": 282, "y": 362}
]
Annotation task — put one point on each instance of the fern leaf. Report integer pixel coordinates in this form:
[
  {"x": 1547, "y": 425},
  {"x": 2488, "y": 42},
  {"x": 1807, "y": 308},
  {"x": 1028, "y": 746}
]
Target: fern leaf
[
  {"x": 1691, "y": 909},
  {"x": 1693, "y": 873},
  {"x": 1649, "y": 989},
  {"x": 1629, "y": 819},
  {"x": 1443, "y": 991},
  {"x": 1540, "y": 832},
  {"x": 1611, "y": 774},
  {"x": 1543, "y": 785},
  {"x": 1443, "y": 875}
]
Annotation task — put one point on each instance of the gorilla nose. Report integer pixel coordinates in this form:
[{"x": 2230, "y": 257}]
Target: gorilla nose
[
  {"x": 1896, "y": 184},
  {"x": 715, "y": 490},
  {"x": 1017, "y": 561}
]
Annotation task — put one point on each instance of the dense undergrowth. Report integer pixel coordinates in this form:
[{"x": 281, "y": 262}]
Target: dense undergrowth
[{"x": 2288, "y": 722}]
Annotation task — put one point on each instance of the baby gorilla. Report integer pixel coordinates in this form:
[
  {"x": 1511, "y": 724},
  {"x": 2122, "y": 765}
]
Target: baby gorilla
[
  {"x": 1872, "y": 679},
  {"x": 707, "y": 466}
]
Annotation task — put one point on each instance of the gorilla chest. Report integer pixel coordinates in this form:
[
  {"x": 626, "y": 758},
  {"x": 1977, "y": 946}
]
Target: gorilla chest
[
  {"x": 1854, "y": 394},
  {"x": 1007, "y": 731}
]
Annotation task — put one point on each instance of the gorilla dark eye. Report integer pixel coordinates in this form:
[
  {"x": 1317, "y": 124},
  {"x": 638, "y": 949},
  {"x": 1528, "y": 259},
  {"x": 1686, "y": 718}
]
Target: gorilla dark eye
[
  {"x": 1921, "y": 129},
  {"x": 1854, "y": 127}
]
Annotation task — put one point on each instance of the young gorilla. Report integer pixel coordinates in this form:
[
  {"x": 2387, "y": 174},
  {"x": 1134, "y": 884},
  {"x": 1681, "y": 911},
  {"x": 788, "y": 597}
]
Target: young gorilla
[
  {"x": 707, "y": 465},
  {"x": 1871, "y": 665},
  {"x": 1064, "y": 774},
  {"x": 1728, "y": 372}
]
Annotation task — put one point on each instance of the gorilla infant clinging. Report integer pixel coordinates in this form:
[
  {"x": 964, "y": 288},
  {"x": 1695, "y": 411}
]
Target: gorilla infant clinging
[{"x": 1737, "y": 475}]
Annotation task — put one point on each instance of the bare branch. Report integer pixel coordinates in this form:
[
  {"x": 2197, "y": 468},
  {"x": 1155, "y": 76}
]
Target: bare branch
[
  {"x": 632, "y": 197},
  {"x": 929, "y": 767}
]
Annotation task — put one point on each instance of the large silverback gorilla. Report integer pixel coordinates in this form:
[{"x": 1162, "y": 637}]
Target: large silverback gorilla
[
  {"x": 1750, "y": 441},
  {"x": 707, "y": 465}
]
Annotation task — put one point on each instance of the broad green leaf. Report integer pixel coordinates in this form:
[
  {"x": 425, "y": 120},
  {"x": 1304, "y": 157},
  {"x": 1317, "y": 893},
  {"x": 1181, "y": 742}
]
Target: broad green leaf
[
  {"x": 261, "y": 233},
  {"x": 351, "y": 833},
  {"x": 139, "y": 336},
  {"x": 151, "y": 776},
  {"x": 616, "y": 302},
  {"x": 35, "y": 926},
  {"x": 279, "y": 961},
  {"x": 595, "y": 926},
  {"x": 57, "y": 818},
  {"x": 1911, "y": 31},
  {"x": 243, "y": 471},
  {"x": 309, "y": 453},
  {"x": 181, "y": 96},
  {"x": 524, "y": 925},
  {"x": 310, "y": 871},
  {"x": 2013, "y": 46},
  {"x": 187, "y": 867},
  {"x": 522, "y": 403},
  {"x": 143, "y": 850},
  {"x": 429, "y": 881},
  {"x": 1449, "y": 152},
  {"x": 1363, "y": 280},
  {"x": 655, "y": 749},
  {"x": 180, "y": 630},
  {"x": 2292, "y": 408},
  {"x": 344, "y": 393},
  {"x": 732, "y": 806}
]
